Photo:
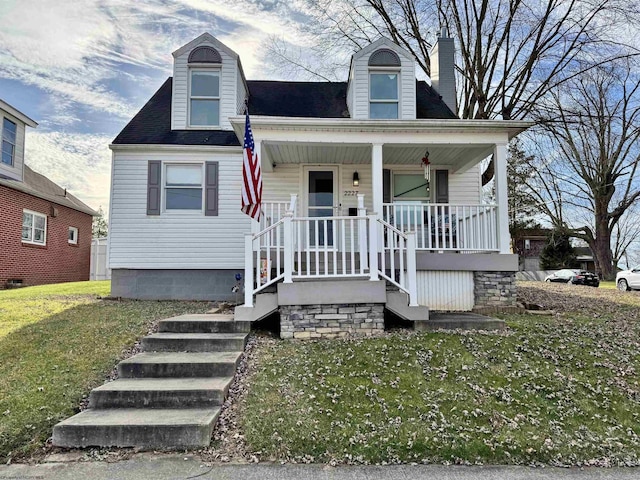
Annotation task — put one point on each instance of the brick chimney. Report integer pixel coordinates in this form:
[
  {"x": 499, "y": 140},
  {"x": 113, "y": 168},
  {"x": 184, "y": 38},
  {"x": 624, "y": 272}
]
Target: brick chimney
[{"x": 443, "y": 69}]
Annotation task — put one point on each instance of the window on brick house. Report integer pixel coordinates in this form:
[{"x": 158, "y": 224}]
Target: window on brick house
[
  {"x": 73, "y": 235},
  {"x": 34, "y": 228}
]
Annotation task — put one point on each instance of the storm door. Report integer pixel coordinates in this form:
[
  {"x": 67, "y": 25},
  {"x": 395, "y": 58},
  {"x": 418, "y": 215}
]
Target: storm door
[{"x": 321, "y": 190}]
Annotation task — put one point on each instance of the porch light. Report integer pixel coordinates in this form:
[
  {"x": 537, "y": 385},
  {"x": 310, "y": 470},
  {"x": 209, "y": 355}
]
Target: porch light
[{"x": 356, "y": 179}]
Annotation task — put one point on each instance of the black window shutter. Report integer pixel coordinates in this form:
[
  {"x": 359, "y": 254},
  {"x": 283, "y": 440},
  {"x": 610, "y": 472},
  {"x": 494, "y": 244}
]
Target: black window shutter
[
  {"x": 154, "y": 180},
  {"x": 211, "y": 189},
  {"x": 386, "y": 185},
  {"x": 442, "y": 186}
]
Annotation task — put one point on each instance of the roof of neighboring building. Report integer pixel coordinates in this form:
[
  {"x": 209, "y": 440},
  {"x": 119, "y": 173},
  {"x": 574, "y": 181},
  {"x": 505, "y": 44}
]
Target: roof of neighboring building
[
  {"x": 17, "y": 114},
  {"x": 152, "y": 124},
  {"x": 40, "y": 186},
  {"x": 533, "y": 233},
  {"x": 584, "y": 253}
]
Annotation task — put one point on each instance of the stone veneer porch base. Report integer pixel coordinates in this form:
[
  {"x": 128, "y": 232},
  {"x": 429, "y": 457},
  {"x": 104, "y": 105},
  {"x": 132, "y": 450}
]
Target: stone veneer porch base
[{"x": 331, "y": 321}]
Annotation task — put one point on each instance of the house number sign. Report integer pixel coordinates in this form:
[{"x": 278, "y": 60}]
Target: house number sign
[{"x": 350, "y": 193}]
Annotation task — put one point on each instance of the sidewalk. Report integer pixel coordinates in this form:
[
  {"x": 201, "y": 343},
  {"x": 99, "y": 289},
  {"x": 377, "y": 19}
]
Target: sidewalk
[{"x": 188, "y": 467}]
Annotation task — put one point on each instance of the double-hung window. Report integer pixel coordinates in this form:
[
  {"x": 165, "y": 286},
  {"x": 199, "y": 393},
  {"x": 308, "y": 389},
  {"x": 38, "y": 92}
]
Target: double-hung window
[
  {"x": 183, "y": 187},
  {"x": 34, "y": 228},
  {"x": 204, "y": 101},
  {"x": 8, "y": 141},
  {"x": 383, "y": 95}
]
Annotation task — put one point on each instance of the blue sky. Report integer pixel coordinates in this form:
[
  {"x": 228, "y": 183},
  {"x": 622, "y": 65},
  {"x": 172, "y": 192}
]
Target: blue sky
[{"x": 83, "y": 68}]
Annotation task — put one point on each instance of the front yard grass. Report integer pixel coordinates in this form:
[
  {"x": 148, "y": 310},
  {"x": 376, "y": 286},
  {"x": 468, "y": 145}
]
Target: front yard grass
[
  {"x": 56, "y": 343},
  {"x": 562, "y": 390}
]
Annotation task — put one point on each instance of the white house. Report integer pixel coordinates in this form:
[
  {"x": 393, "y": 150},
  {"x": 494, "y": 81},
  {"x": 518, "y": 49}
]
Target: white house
[{"x": 349, "y": 206}]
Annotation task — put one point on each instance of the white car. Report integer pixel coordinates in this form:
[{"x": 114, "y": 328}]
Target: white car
[{"x": 628, "y": 279}]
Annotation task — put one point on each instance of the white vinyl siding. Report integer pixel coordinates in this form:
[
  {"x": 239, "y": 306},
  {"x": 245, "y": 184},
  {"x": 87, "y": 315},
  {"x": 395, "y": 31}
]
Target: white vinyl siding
[
  {"x": 180, "y": 90},
  {"x": 278, "y": 185},
  {"x": 195, "y": 241},
  {"x": 465, "y": 188},
  {"x": 241, "y": 94},
  {"x": 446, "y": 290},
  {"x": 14, "y": 171}
]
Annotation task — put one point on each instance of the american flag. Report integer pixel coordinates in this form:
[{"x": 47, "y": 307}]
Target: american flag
[{"x": 251, "y": 176}]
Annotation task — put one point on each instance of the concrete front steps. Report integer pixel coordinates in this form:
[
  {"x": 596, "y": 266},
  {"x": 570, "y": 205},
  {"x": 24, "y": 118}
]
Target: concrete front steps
[{"x": 170, "y": 395}]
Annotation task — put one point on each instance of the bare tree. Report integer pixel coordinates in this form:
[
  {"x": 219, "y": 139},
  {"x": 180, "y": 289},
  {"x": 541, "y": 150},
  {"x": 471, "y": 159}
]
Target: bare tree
[
  {"x": 511, "y": 53},
  {"x": 589, "y": 178}
]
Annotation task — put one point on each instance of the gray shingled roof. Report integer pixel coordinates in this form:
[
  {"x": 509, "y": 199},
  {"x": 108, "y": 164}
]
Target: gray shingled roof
[
  {"x": 40, "y": 186},
  {"x": 152, "y": 124}
]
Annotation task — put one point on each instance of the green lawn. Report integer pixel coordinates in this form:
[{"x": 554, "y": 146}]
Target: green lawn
[
  {"x": 56, "y": 343},
  {"x": 558, "y": 390}
]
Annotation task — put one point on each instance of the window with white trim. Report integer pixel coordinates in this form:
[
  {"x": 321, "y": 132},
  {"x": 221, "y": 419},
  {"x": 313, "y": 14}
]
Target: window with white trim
[
  {"x": 183, "y": 186},
  {"x": 34, "y": 228},
  {"x": 73, "y": 235},
  {"x": 204, "y": 97},
  {"x": 9, "y": 130},
  {"x": 383, "y": 95}
]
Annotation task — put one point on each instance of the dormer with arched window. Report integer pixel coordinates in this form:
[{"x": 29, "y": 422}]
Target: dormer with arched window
[
  {"x": 208, "y": 85},
  {"x": 382, "y": 83}
]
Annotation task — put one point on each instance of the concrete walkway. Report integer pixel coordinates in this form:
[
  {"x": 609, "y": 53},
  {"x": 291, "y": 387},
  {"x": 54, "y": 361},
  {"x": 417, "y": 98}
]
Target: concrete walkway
[{"x": 150, "y": 467}]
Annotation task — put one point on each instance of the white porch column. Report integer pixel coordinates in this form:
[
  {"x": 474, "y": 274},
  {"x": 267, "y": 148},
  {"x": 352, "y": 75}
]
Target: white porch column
[
  {"x": 248, "y": 270},
  {"x": 362, "y": 233},
  {"x": 376, "y": 178},
  {"x": 500, "y": 163},
  {"x": 265, "y": 161}
]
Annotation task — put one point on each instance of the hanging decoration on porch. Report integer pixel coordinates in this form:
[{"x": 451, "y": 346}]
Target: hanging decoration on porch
[{"x": 426, "y": 164}]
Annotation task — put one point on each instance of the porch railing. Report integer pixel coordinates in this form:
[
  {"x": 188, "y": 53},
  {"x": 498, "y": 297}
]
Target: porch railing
[
  {"x": 272, "y": 213},
  {"x": 398, "y": 260},
  {"x": 445, "y": 226},
  {"x": 330, "y": 247},
  {"x": 265, "y": 265}
]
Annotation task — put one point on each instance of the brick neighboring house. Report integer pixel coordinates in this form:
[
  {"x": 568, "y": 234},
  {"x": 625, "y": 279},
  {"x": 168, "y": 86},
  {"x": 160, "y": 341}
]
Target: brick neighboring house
[
  {"x": 530, "y": 242},
  {"x": 528, "y": 245},
  {"x": 45, "y": 232}
]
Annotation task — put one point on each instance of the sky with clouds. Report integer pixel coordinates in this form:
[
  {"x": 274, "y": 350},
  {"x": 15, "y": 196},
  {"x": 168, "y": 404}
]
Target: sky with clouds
[{"x": 83, "y": 68}]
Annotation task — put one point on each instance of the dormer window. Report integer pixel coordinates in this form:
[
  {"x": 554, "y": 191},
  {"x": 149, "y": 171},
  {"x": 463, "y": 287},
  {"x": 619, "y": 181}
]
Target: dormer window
[
  {"x": 384, "y": 73},
  {"x": 8, "y": 142},
  {"x": 204, "y": 87},
  {"x": 383, "y": 95}
]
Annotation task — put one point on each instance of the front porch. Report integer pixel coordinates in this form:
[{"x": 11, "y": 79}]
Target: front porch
[{"x": 347, "y": 200}]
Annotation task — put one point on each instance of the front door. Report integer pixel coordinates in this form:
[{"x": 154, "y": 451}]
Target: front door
[{"x": 321, "y": 189}]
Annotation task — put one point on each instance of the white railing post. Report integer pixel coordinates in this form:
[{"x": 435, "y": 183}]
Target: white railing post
[
  {"x": 373, "y": 247},
  {"x": 412, "y": 280},
  {"x": 293, "y": 203},
  {"x": 288, "y": 247},
  {"x": 248, "y": 270},
  {"x": 362, "y": 232}
]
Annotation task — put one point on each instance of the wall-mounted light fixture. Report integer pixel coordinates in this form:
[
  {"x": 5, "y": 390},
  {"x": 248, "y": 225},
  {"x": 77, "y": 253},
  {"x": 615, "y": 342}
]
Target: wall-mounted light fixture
[{"x": 356, "y": 179}]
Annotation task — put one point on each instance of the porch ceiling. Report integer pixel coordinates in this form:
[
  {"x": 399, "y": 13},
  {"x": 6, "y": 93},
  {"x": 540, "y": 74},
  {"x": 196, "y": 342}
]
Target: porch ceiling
[{"x": 457, "y": 156}]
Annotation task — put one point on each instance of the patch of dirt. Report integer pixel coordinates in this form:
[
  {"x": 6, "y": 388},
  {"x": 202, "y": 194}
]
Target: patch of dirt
[{"x": 595, "y": 302}]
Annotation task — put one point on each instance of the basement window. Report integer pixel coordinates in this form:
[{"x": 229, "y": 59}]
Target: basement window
[{"x": 34, "y": 228}]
